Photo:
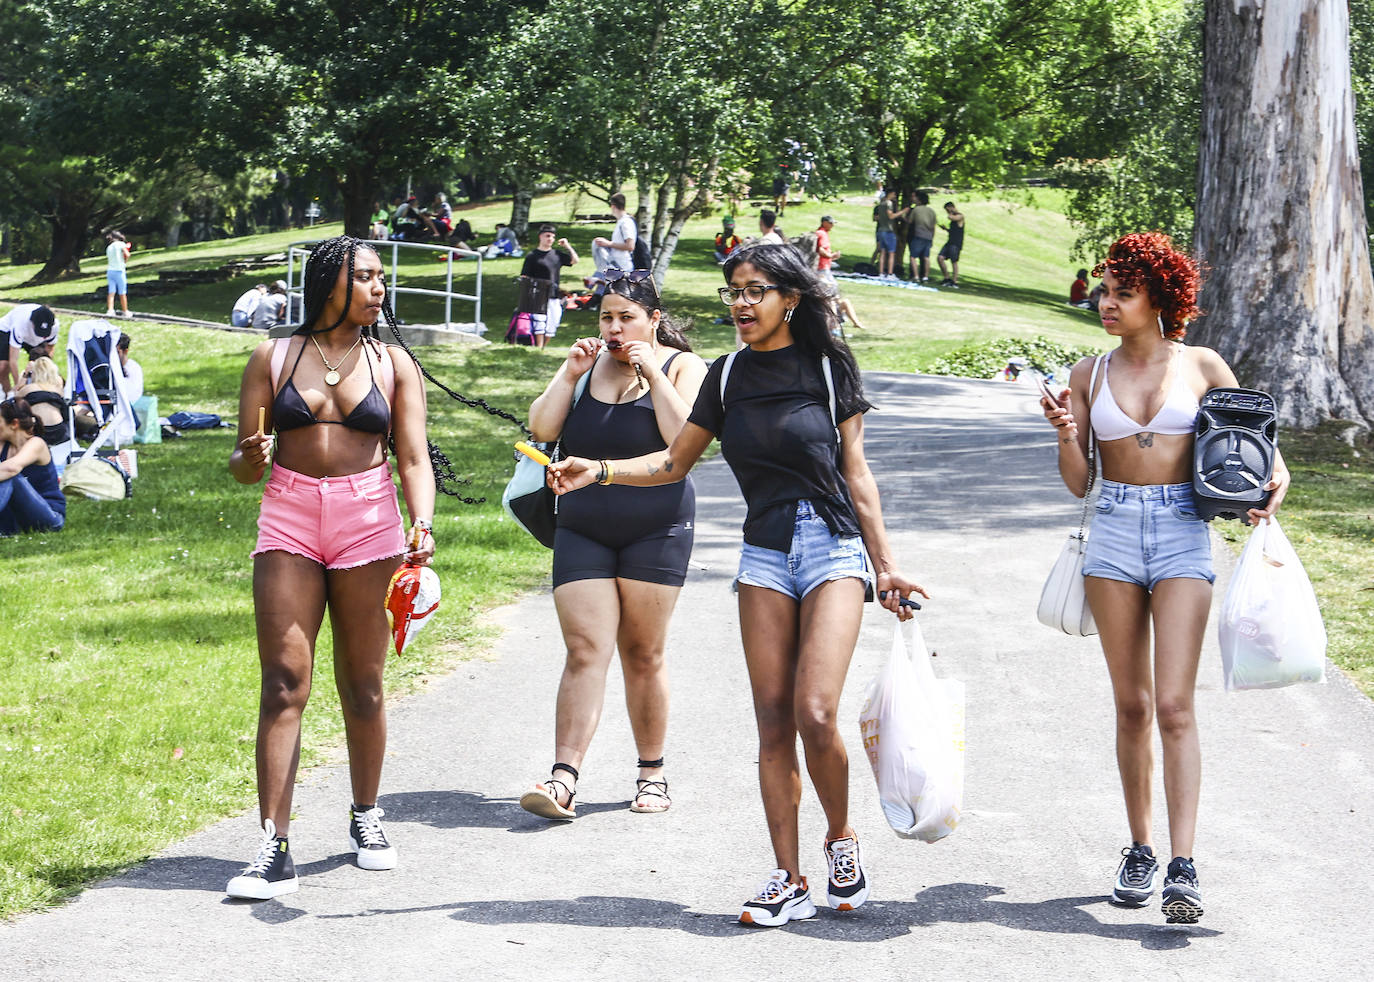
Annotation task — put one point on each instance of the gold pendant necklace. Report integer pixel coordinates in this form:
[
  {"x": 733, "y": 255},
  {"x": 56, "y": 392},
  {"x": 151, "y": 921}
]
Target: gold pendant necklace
[{"x": 331, "y": 377}]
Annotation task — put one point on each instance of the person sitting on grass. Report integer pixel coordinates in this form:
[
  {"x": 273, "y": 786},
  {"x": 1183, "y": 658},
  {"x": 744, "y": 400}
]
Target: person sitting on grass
[
  {"x": 1078, "y": 292},
  {"x": 41, "y": 386},
  {"x": 726, "y": 240},
  {"x": 30, "y": 498},
  {"x": 242, "y": 314}
]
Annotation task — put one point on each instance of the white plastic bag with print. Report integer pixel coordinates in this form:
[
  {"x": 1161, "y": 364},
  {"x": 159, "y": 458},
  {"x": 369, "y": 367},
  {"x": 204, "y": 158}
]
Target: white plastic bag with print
[
  {"x": 1271, "y": 631},
  {"x": 913, "y": 732}
]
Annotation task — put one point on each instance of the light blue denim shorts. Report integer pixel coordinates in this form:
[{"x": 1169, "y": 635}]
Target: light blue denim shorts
[
  {"x": 1144, "y": 533},
  {"x": 117, "y": 281},
  {"x": 817, "y": 556}
]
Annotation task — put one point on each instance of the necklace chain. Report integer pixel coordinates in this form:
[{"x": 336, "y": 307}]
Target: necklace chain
[{"x": 333, "y": 370}]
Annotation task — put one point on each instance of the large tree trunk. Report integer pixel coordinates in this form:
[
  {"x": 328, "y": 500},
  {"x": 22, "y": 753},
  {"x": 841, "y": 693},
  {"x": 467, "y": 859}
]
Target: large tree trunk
[
  {"x": 358, "y": 187},
  {"x": 1289, "y": 299},
  {"x": 70, "y": 221},
  {"x": 520, "y": 208}
]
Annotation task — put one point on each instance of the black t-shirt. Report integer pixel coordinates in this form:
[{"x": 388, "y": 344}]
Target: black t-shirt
[
  {"x": 544, "y": 264},
  {"x": 776, "y": 434}
]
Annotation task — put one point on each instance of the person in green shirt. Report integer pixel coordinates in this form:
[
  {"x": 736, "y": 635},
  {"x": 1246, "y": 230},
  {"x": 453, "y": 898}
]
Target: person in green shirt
[{"x": 379, "y": 220}]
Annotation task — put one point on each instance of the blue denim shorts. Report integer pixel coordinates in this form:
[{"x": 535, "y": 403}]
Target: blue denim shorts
[
  {"x": 117, "y": 281},
  {"x": 816, "y": 557},
  {"x": 1144, "y": 533},
  {"x": 887, "y": 240}
]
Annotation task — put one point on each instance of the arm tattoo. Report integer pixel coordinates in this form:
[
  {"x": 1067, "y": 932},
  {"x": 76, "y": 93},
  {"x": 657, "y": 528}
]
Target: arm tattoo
[
  {"x": 1145, "y": 439},
  {"x": 668, "y": 465},
  {"x": 651, "y": 469}
]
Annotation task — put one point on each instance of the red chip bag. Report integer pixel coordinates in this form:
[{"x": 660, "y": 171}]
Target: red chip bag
[{"x": 411, "y": 599}]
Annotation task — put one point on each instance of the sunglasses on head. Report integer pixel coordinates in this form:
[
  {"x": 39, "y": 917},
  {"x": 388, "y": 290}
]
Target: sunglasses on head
[{"x": 614, "y": 274}]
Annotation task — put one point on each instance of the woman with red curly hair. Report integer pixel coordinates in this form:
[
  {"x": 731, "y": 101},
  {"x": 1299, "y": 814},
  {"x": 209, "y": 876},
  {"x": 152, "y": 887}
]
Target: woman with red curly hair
[{"x": 1149, "y": 562}]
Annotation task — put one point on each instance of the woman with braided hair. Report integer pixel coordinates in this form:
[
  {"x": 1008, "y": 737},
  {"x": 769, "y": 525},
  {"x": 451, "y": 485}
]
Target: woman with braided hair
[
  {"x": 324, "y": 406},
  {"x": 1148, "y": 564}
]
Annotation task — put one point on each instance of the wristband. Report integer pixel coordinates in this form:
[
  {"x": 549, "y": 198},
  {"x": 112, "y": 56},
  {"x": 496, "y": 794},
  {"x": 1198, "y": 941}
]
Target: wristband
[
  {"x": 424, "y": 525},
  {"x": 607, "y": 473}
]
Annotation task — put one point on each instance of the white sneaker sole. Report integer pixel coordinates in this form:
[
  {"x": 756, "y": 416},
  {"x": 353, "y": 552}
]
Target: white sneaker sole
[
  {"x": 799, "y": 911},
  {"x": 256, "y": 888},
  {"x": 850, "y": 902},
  {"x": 373, "y": 859}
]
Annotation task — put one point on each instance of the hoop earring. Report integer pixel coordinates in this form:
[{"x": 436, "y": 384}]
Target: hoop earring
[{"x": 787, "y": 314}]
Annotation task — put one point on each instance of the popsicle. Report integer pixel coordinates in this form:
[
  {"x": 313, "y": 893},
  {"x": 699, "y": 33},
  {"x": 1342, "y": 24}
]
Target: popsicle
[{"x": 533, "y": 453}]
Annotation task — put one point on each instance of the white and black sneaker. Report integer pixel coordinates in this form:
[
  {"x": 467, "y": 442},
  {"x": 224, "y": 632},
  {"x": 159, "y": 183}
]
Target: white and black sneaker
[
  {"x": 366, "y": 838},
  {"x": 847, "y": 887},
  {"x": 1135, "y": 877},
  {"x": 1182, "y": 899},
  {"x": 778, "y": 901},
  {"x": 270, "y": 874}
]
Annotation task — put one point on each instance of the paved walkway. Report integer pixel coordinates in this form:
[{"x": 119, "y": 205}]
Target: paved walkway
[{"x": 488, "y": 892}]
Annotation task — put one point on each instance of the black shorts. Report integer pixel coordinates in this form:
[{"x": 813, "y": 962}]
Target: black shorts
[
  {"x": 659, "y": 557},
  {"x": 951, "y": 252},
  {"x": 5, "y": 343}
]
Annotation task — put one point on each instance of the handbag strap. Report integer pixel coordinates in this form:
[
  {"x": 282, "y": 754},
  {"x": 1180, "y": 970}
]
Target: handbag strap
[{"x": 1092, "y": 450}]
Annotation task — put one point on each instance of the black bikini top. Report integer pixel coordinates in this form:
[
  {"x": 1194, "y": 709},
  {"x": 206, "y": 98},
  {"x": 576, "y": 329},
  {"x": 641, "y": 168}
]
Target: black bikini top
[{"x": 290, "y": 411}]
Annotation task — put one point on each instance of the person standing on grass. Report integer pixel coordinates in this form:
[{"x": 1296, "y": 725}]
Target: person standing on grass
[
  {"x": 619, "y": 554},
  {"x": 117, "y": 252},
  {"x": 885, "y": 214},
  {"x": 619, "y": 249},
  {"x": 1148, "y": 566},
  {"x": 544, "y": 262},
  {"x": 922, "y": 230},
  {"x": 330, "y": 536},
  {"x": 825, "y": 258},
  {"x": 954, "y": 244},
  {"x": 789, "y": 416}
]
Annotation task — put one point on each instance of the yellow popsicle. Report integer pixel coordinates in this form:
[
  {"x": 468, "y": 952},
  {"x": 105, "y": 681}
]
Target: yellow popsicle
[{"x": 533, "y": 453}]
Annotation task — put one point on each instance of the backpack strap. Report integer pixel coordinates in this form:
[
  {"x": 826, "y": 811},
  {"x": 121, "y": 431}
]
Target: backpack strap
[
  {"x": 830, "y": 388},
  {"x": 279, "y": 347},
  {"x": 725, "y": 375}
]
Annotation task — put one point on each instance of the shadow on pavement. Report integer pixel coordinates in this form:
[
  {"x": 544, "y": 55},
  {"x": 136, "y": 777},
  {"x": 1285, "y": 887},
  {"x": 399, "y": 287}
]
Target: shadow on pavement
[
  {"x": 953, "y": 903},
  {"x": 467, "y": 810}
]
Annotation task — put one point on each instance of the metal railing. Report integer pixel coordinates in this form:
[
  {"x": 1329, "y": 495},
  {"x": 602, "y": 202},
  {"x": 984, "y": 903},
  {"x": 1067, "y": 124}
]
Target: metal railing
[{"x": 295, "y": 278}]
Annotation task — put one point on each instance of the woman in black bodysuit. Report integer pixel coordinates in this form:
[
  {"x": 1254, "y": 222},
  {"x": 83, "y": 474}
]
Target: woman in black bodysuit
[
  {"x": 330, "y": 534},
  {"x": 789, "y": 416},
  {"x": 620, "y": 554}
]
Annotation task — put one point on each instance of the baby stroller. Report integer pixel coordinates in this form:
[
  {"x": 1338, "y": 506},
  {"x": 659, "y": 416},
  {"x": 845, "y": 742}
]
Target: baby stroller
[{"x": 95, "y": 384}]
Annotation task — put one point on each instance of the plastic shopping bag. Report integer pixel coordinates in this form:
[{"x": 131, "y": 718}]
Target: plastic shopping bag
[
  {"x": 1271, "y": 631},
  {"x": 913, "y": 732}
]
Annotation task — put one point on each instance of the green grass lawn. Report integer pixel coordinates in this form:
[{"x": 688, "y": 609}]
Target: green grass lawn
[{"x": 128, "y": 689}]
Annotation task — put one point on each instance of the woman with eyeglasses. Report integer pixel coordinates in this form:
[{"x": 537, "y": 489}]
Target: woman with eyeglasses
[
  {"x": 796, "y": 447},
  {"x": 620, "y": 553}
]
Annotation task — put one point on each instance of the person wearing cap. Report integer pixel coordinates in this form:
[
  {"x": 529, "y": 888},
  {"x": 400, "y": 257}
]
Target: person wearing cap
[
  {"x": 726, "y": 240},
  {"x": 29, "y": 327},
  {"x": 544, "y": 262},
  {"x": 242, "y": 314},
  {"x": 825, "y": 256},
  {"x": 271, "y": 310}
]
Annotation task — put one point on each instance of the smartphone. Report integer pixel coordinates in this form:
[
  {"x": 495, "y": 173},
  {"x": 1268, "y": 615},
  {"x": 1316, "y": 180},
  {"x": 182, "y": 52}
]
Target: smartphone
[
  {"x": 1047, "y": 392},
  {"x": 903, "y": 602}
]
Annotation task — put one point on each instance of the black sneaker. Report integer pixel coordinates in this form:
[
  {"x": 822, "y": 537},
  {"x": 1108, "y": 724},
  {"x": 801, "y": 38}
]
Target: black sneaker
[
  {"x": 847, "y": 887},
  {"x": 778, "y": 901},
  {"x": 366, "y": 838},
  {"x": 1135, "y": 877},
  {"x": 269, "y": 875},
  {"x": 1182, "y": 900}
]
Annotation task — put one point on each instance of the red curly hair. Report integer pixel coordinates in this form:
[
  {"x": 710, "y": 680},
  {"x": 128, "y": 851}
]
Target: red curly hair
[{"x": 1149, "y": 261}]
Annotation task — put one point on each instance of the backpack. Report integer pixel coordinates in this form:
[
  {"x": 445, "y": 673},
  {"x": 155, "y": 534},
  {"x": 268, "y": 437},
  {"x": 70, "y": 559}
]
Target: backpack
[
  {"x": 98, "y": 478},
  {"x": 641, "y": 257},
  {"x": 191, "y": 420},
  {"x": 519, "y": 330}
]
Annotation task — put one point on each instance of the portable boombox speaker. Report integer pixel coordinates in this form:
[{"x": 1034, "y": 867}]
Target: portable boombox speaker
[{"x": 1233, "y": 455}]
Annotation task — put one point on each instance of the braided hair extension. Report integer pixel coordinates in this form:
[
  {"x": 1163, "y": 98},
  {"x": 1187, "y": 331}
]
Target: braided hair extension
[{"x": 321, "y": 274}]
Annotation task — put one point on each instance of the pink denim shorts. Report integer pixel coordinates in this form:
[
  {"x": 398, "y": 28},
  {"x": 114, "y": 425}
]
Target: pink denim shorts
[{"x": 339, "y": 522}]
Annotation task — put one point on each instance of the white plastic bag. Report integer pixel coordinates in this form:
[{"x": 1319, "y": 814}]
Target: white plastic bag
[
  {"x": 1271, "y": 631},
  {"x": 913, "y": 731}
]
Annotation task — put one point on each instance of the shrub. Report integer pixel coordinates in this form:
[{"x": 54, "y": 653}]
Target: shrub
[{"x": 986, "y": 358}]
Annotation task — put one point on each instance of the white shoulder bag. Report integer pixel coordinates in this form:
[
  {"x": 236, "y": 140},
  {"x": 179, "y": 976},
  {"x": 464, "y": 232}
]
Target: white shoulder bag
[{"x": 1063, "y": 605}]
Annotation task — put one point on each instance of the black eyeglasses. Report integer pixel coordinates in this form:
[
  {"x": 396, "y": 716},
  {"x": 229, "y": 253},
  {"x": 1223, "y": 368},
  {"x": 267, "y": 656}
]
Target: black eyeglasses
[
  {"x": 615, "y": 274},
  {"x": 752, "y": 294}
]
